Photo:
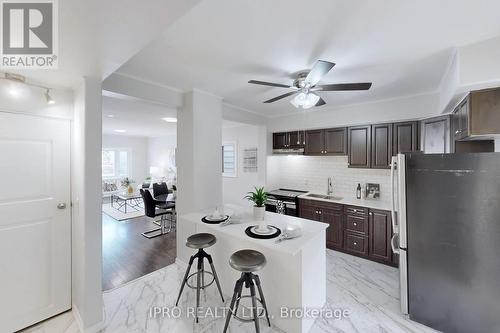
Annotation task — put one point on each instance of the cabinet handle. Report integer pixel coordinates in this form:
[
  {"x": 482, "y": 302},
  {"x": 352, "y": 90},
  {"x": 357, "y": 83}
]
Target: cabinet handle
[
  {"x": 355, "y": 224},
  {"x": 371, "y": 213},
  {"x": 355, "y": 210},
  {"x": 457, "y": 131},
  {"x": 355, "y": 244},
  {"x": 320, "y": 212}
]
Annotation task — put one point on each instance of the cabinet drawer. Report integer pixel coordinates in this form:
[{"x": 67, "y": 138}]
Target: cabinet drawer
[
  {"x": 354, "y": 210},
  {"x": 357, "y": 224},
  {"x": 356, "y": 243}
]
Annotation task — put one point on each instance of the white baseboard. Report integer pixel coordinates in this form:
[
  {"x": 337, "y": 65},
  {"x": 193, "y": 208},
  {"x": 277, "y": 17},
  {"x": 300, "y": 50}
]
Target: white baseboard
[
  {"x": 79, "y": 322},
  {"x": 181, "y": 263}
]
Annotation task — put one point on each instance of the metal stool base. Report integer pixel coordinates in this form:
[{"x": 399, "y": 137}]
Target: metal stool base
[
  {"x": 201, "y": 255},
  {"x": 247, "y": 280}
]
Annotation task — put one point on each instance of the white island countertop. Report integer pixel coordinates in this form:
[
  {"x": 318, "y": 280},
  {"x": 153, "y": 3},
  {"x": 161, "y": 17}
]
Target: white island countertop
[{"x": 242, "y": 218}]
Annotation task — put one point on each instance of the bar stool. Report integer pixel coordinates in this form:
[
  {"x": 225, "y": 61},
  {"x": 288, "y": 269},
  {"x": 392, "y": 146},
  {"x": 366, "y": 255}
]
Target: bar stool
[
  {"x": 247, "y": 262},
  {"x": 200, "y": 241}
]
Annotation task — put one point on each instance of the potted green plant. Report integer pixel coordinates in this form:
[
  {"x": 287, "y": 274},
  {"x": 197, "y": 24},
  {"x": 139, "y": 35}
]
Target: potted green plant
[
  {"x": 127, "y": 183},
  {"x": 258, "y": 197}
]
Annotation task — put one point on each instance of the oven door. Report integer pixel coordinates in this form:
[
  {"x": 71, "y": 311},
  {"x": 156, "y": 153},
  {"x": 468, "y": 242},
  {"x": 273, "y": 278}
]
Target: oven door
[
  {"x": 271, "y": 205},
  {"x": 291, "y": 209}
]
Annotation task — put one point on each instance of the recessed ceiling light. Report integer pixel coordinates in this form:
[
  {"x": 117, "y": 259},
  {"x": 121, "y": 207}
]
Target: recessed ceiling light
[
  {"x": 120, "y": 130},
  {"x": 110, "y": 115},
  {"x": 170, "y": 119}
]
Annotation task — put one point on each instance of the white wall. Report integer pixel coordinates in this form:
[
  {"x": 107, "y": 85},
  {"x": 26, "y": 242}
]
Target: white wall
[
  {"x": 160, "y": 152},
  {"x": 480, "y": 62},
  {"x": 407, "y": 108},
  {"x": 235, "y": 188},
  {"x": 199, "y": 169},
  {"x": 86, "y": 206},
  {"x": 138, "y": 149},
  {"x": 310, "y": 173}
]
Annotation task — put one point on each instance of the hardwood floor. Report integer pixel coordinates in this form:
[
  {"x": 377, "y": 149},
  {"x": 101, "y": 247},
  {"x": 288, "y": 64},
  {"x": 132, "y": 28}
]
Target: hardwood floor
[{"x": 127, "y": 255}]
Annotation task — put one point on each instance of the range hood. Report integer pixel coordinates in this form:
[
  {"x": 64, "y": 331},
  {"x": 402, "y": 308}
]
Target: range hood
[{"x": 289, "y": 151}]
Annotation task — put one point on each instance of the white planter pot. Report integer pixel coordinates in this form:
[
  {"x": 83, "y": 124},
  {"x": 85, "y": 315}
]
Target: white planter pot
[{"x": 258, "y": 215}]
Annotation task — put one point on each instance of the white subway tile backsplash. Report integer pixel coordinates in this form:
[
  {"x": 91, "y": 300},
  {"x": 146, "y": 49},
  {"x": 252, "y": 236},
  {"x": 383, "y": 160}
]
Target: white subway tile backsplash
[{"x": 310, "y": 173}]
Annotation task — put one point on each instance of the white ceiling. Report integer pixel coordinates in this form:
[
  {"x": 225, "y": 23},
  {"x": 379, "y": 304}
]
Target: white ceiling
[
  {"x": 403, "y": 47},
  {"x": 136, "y": 117},
  {"x": 96, "y": 37},
  {"x": 140, "y": 118}
]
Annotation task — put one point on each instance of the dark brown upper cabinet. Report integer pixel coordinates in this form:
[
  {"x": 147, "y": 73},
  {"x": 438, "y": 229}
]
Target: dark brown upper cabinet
[
  {"x": 359, "y": 146},
  {"x": 405, "y": 137},
  {"x": 331, "y": 141},
  {"x": 297, "y": 139},
  {"x": 477, "y": 117},
  {"x": 314, "y": 142},
  {"x": 381, "y": 146},
  {"x": 460, "y": 120},
  {"x": 288, "y": 140},
  {"x": 336, "y": 141},
  {"x": 435, "y": 137},
  {"x": 280, "y": 140}
]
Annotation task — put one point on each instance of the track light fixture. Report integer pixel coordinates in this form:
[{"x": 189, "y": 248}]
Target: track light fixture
[
  {"x": 21, "y": 79},
  {"x": 49, "y": 99}
]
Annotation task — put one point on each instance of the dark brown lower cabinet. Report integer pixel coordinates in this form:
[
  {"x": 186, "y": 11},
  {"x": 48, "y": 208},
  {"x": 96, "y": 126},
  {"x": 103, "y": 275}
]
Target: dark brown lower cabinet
[
  {"x": 380, "y": 231},
  {"x": 326, "y": 213},
  {"x": 335, "y": 233},
  {"x": 355, "y": 230},
  {"x": 355, "y": 243}
]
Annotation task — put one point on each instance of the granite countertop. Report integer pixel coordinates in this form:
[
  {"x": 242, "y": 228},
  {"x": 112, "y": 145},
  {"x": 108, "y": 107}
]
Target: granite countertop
[{"x": 368, "y": 203}]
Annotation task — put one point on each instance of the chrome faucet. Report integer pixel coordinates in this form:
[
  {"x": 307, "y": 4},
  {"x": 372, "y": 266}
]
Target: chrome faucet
[{"x": 329, "y": 190}]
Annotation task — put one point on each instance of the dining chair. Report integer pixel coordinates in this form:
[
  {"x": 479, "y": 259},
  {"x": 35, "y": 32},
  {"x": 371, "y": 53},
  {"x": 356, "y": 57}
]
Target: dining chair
[
  {"x": 160, "y": 188},
  {"x": 151, "y": 209}
]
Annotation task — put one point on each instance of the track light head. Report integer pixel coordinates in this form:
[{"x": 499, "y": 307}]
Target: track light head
[{"x": 49, "y": 98}]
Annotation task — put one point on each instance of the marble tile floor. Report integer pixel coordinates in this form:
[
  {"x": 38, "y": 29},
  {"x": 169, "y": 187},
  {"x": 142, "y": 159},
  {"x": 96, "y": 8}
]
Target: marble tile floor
[{"x": 368, "y": 290}]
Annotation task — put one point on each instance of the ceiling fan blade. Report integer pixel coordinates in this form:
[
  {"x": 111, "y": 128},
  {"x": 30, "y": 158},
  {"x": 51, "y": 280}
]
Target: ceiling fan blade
[
  {"x": 344, "y": 86},
  {"x": 320, "y": 102},
  {"x": 319, "y": 70},
  {"x": 281, "y": 96},
  {"x": 262, "y": 83}
]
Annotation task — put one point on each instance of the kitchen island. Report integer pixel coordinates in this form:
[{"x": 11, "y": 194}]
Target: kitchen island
[{"x": 294, "y": 278}]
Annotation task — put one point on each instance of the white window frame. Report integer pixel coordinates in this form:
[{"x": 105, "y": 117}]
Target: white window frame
[
  {"x": 235, "y": 146},
  {"x": 117, "y": 164}
]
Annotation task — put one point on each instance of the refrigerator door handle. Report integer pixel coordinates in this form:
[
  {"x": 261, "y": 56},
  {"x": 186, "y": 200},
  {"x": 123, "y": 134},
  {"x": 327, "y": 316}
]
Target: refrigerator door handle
[
  {"x": 395, "y": 243},
  {"x": 393, "y": 194}
]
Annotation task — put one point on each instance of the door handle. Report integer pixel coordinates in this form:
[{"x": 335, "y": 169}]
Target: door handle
[
  {"x": 61, "y": 205},
  {"x": 395, "y": 243}
]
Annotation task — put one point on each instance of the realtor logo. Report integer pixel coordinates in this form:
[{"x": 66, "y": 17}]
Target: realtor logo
[{"x": 29, "y": 34}]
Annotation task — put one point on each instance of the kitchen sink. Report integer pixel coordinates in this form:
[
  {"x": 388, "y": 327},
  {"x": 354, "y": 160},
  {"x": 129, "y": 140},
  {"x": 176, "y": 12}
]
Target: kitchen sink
[{"x": 323, "y": 196}]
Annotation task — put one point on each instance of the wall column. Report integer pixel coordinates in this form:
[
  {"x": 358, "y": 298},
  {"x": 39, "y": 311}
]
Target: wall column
[{"x": 199, "y": 159}]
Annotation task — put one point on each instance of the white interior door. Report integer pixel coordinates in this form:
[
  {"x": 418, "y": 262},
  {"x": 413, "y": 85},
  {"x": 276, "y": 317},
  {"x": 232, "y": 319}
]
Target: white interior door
[{"x": 35, "y": 234}]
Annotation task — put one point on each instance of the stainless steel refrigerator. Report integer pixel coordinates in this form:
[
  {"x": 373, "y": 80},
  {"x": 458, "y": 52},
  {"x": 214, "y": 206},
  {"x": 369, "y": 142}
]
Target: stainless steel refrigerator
[{"x": 446, "y": 219}]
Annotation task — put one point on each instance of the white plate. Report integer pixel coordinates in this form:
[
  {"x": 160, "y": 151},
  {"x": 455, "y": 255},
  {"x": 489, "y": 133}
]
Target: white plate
[
  {"x": 215, "y": 218},
  {"x": 270, "y": 230}
]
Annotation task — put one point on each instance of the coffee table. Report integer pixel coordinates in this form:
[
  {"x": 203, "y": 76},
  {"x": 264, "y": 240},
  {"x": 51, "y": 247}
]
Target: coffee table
[{"x": 124, "y": 202}]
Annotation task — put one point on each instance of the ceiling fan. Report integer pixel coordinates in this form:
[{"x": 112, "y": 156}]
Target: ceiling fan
[{"x": 305, "y": 86}]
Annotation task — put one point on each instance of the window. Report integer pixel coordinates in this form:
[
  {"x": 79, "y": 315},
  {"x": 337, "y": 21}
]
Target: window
[
  {"x": 229, "y": 164},
  {"x": 115, "y": 163}
]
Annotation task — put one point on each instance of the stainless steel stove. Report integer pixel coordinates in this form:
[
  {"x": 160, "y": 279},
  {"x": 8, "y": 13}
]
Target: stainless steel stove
[{"x": 283, "y": 201}]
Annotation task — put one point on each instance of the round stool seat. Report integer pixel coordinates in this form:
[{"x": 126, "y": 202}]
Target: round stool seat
[
  {"x": 247, "y": 260},
  {"x": 200, "y": 241}
]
